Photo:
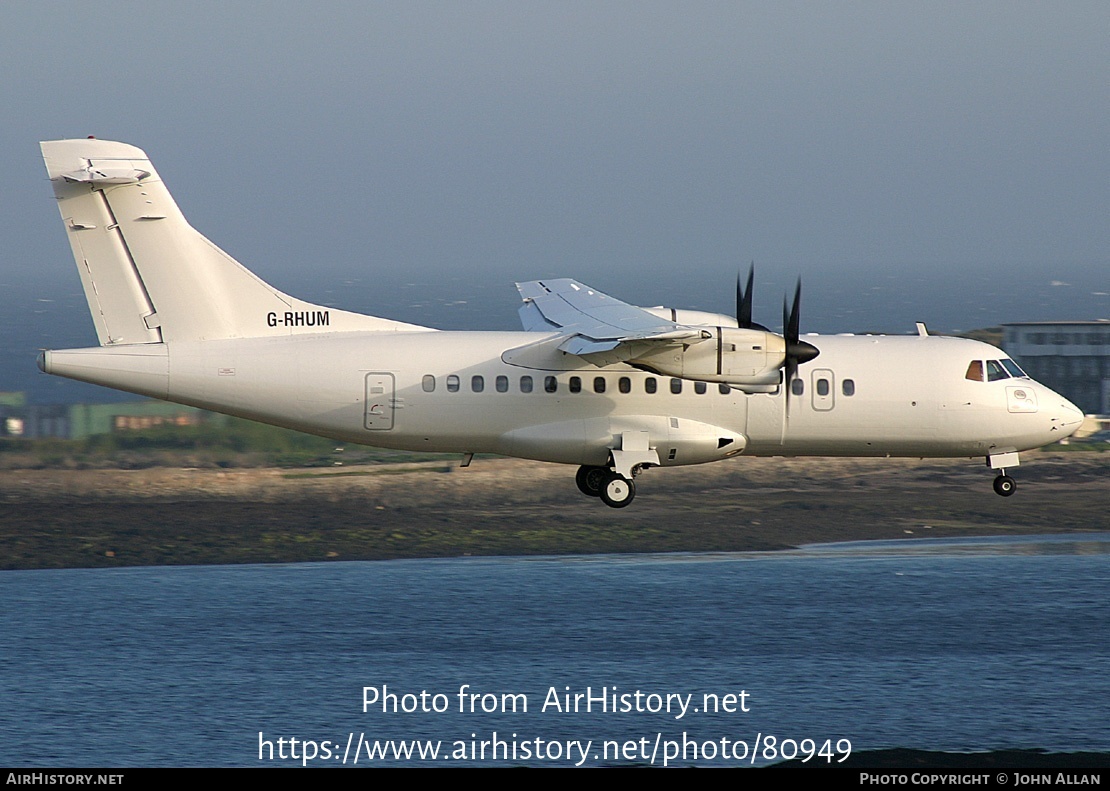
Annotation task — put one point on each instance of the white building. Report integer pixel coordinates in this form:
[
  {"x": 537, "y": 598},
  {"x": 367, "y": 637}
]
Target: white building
[{"x": 1071, "y": 357}]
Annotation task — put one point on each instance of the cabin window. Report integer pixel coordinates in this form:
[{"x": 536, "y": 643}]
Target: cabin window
[
  {"x": 650, "y": 385},
  {"x": 477, "y": 383},
  {"x": 848, "y": 387},
  {"x": 974, "y": 371},
  {"x": 699, "y": 388},
  {"x": 797, "y": 387},
  {"x": 575, "y": 384},
  {"x": 550, "y": 384},
  {"x": 429, "y": 383},
  {"x": 452, "y": 384},
  {"x": 723, "y": 389},
  {"x": 676, "y": 386},
  {"x": 624, "y": 384},
  {"x": 502, "y": 384},
  {"x": 526, "y": 384},
  {"x": 822, "y": 387},
  {"x": 995, "y": 371},
  {"x": 599, "y": 384}
]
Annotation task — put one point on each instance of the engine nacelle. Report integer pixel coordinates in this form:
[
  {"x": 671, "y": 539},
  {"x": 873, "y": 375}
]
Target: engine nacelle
[
  {"x": 730, "y": 355},
  {"x": 695, "y": 318}
]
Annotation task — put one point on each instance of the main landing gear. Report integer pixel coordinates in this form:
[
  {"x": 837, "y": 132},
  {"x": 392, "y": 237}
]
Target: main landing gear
[{"x": 614, "y": 490}]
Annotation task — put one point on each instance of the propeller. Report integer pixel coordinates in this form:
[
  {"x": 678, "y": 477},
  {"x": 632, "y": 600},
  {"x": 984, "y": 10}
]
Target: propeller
[{"x": 797, "y": 350}]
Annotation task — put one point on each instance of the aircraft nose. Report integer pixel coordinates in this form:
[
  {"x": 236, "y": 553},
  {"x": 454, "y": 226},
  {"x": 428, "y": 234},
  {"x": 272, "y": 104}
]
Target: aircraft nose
[{"x": 1066, "y": 417}]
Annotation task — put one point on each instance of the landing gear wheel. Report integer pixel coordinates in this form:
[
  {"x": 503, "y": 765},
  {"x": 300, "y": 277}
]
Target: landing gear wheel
[
  {"x": 617, "y": 492},
  {"x": 1005, "y": 485},
  {"x": 590, "y": 479}
]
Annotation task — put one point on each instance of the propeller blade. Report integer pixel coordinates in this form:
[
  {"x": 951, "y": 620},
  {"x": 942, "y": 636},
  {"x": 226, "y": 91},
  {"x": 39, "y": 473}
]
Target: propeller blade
[
  {"x": 786, "y": 325},
  {"x": 744, "y": 300},
  {"x": 795, "y": 316},
  {"x": 790, "y": 374},
  {"x": 788, "y": 368},
  {"x": 796, "y": 349}
]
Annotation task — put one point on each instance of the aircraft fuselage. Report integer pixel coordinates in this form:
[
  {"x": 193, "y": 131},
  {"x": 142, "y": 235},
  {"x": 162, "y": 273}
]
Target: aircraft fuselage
[{"x": 455, "y": 392}]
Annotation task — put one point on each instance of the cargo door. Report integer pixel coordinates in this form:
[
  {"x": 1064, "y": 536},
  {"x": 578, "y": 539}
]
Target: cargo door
[{"x": 379, "y": 401}]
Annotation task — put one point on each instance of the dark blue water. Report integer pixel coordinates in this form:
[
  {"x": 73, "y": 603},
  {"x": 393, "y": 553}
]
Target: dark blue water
[{"x": 942, "y": 645}]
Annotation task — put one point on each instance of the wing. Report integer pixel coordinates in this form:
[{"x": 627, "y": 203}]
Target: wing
[{"x": 596, "y": 325}]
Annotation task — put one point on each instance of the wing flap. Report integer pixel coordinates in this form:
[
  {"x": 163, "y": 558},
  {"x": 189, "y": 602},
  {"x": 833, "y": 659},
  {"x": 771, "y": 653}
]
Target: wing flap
[{"x": 596, "y": 324}]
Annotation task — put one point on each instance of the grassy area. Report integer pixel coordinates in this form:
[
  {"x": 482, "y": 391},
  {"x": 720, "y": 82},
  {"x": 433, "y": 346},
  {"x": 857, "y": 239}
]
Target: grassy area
[
  {"x": 226, "y": 443},
  {"x": 384, "y": 470}
]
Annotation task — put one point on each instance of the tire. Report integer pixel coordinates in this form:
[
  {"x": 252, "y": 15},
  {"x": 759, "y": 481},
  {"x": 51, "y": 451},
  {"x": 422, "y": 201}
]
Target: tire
[
  {"x": 590, "y": 480},
  {"x": 617, "y": 492},
  {"x": 1005, "y": 485}
]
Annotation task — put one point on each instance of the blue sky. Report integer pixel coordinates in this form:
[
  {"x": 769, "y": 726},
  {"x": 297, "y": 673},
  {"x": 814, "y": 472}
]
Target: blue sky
[{"x": 944, "y": 162}]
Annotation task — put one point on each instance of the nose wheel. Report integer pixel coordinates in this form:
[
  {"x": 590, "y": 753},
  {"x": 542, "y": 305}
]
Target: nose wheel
[{"x": 1005, "y": 485}]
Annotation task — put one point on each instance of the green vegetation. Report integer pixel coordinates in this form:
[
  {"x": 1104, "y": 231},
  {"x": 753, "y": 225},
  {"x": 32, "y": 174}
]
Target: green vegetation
[
  {"x": 1080, "y": 445},
  {"x": 220, "y": 442},
  {"x": 385, "y": 470}
]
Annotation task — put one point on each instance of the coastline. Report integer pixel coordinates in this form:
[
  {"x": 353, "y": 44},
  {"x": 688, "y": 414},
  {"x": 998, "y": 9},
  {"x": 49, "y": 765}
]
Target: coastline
[{"x": 172, "y": 516}]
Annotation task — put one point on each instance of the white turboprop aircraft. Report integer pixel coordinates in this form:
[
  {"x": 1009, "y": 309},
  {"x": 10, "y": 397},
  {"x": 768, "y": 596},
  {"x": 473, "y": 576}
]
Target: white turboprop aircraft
[{"x": 591, "y": 381}]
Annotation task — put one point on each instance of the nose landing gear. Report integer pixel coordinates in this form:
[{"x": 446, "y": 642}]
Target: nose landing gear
[{"x": 1004, "y": 485}]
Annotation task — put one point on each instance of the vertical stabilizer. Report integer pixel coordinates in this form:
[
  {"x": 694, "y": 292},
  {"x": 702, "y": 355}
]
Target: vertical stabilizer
[
  {"x": 118, "y": 300},
  {"x": 148, "y": 275}
]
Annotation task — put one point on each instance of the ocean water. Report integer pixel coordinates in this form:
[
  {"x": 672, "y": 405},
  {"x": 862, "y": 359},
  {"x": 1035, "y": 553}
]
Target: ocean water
[{"x": 690, "y": 659}]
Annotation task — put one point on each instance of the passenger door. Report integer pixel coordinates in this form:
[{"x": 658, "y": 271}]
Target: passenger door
[{"x": 824, "y": 389}]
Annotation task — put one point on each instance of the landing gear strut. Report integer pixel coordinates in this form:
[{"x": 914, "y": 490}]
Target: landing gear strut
[
  {"x": 1004, "y": 485},
  {"x": 614, "y": 490}
]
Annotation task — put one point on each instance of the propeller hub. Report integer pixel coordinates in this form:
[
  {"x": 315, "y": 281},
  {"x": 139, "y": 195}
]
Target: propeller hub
[{"x": 801, "y": 351}]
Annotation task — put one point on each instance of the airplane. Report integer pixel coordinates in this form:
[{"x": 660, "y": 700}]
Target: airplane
[{"x": 590, "y": 381}]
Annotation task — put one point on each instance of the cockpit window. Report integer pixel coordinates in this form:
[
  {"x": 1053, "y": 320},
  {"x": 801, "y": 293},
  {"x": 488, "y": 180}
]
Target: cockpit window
[
  {"x": 995, "y": 371},
  {"x": 1014, "y": 369},
  {"x": 975, "y": 371}
]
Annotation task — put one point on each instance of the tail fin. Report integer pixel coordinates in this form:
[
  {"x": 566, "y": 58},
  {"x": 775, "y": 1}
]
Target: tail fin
[{"x": 149, "y": 277}]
